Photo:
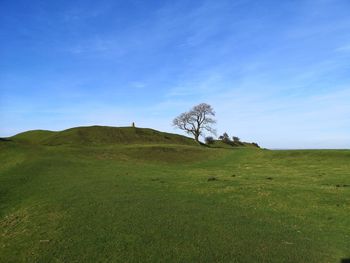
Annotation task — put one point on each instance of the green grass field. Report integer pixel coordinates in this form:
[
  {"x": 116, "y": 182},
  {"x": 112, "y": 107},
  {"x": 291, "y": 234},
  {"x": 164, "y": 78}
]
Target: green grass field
[{"x": 102, "y": 202}]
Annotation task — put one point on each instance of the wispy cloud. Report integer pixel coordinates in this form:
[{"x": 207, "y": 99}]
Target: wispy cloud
[
  {"x": 138, "y": 84},
  {"x": 345, "y": 48}
]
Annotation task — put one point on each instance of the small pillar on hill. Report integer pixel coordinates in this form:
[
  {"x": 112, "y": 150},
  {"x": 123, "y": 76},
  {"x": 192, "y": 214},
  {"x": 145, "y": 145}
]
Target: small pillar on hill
[{"x": 133, "y": 124}]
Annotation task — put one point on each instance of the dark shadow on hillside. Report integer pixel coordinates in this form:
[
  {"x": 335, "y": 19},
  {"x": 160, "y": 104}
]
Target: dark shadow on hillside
[
  {"x": 4, "y": 140},
  {"x": 345, "y": 260}
]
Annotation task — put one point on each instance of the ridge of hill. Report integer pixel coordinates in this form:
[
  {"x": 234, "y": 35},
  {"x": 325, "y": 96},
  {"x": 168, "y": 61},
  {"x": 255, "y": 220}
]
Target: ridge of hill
[
  {"x": 106, "y": 135},
  {"x": 95, "y": 135}
]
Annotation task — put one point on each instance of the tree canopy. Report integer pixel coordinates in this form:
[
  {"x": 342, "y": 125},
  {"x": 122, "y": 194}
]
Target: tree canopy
[{"x": 197, "y": 121}]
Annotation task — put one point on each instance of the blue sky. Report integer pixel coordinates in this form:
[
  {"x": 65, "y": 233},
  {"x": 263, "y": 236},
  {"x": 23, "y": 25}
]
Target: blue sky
[{"x": 276, "y": 72}]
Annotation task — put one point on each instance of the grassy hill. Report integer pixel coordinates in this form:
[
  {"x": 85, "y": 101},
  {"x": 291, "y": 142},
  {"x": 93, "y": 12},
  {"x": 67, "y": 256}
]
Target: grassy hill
[
  {"x": 35, "y": 136},
  {"x": 100, "y": 135},
  {"x": 168, "y": 202},
  {"x": 104, "y": 135},
  {"x": 221, "y": 144}
]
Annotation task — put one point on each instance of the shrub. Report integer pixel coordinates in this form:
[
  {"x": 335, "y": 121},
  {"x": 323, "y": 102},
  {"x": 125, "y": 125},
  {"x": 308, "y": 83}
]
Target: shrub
[
  {"x": 225, "y": 138},
  {"x": 209, "y": 140},
  {"x": 255, "y": 144},
  {"x": 236, "y": 139}
]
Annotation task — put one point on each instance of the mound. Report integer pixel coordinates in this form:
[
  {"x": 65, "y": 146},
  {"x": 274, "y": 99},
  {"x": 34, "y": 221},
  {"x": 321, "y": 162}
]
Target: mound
[
  {"x": 102, "y": 135},
  {"x": 35, "y": 136}
]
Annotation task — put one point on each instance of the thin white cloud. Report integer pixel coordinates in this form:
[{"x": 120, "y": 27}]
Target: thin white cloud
[
  {"x": 138, "y": 84},
  {"x": 345, "y": 48}
]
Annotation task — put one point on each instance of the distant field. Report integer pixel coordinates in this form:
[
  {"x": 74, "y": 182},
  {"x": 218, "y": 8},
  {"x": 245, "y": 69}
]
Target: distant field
[{"x": 154, "y": 203}]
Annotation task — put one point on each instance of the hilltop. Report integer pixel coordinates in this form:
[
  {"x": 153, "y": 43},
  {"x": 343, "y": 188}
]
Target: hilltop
[{"x": 103, "y": 135}]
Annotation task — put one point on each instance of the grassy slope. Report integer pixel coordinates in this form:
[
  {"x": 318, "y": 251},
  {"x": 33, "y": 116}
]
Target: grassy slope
[
  {"x": 35, "y": 136},
  {"x": 221, "y": 144},
  {"x": 97, "y": 135},
  {"x": 153, "y": 203}
]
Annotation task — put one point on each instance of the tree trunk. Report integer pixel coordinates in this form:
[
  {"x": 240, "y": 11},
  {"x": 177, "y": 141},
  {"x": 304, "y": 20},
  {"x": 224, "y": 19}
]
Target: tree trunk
[{"x": 196, "y": 137}]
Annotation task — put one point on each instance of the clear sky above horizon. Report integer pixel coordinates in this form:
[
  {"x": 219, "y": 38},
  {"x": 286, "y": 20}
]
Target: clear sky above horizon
[{"x": 276, "y": 72}]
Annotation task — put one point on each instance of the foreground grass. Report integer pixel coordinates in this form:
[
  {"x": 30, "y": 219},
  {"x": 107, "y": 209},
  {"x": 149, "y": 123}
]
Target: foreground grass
[{"x": 155, "y": 204}]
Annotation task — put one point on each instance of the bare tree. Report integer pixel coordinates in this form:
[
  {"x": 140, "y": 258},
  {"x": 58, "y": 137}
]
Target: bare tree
[{"x": 197, "y": 120}]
